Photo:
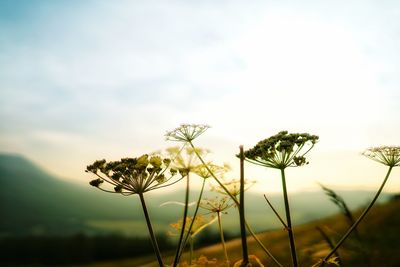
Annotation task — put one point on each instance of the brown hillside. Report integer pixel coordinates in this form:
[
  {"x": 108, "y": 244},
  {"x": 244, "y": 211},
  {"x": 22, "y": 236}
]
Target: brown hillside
[{"x": 379, "y": 234}]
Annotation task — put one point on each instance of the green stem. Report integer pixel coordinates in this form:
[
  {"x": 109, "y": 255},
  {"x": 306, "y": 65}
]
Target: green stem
[
  {"x": 352, "y": 228},
  {"x": 194, "y": 218},
  {"x": 221, "y": 232},
  {"x": 152, "y": 236},
  {"x": 185, "y": 211},
  {"x": 245, "y": 253},
  {"x": 237, "y": 203},
  {"x": 289, "y": 221}
]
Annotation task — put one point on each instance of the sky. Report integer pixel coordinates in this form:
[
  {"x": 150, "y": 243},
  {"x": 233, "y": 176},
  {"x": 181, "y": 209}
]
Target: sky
[{"x": 85, "y": 80}]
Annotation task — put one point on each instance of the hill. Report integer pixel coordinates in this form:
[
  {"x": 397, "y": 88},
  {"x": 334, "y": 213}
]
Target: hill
[
  {"x": 377, "y": 246},
  {"x": 36, "y": 203}
]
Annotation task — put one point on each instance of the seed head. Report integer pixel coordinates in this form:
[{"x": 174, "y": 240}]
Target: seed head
[
  {"x": 131, "y": 175},
  {"x": 186, "y": 132},
  {"x": 387, "y": 155},
  {"x": 282, "y": 150}
]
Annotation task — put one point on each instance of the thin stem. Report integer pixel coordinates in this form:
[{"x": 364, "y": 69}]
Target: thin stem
[
  {"x": 237, "y": 203},
  {"x": 352, "y": 228},
  {"x": 185, "y": 211},
  {"x": 262, "y": 245},
  {"x": 213, "y": 175},
  {"x": 221, "y": 232},
  {"x": 245, "y": 253},
  {"x": 152, "y": 236},
  {"x": 276, "y": 213},
  {"x": 289, "y": 221},
  {"x": 188, "y": 235}
]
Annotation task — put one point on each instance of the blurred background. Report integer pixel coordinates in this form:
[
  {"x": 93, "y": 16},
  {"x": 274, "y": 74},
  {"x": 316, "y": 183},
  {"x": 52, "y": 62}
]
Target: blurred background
[{"x": 86, "y": 80}]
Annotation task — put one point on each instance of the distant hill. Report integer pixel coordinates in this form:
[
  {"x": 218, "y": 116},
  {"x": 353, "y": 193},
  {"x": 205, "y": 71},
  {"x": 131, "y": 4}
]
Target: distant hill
[{"x": 34, "y": 202}]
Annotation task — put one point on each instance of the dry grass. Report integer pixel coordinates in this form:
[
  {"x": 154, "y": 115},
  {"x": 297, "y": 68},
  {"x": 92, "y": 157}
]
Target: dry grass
[{"x": 379, "y": 233}]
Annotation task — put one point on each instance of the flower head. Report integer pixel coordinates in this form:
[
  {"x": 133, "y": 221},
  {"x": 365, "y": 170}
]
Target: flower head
[
  {"x": 387, "y": 155},
  {"x": 186, "y": 132},
  {"x": 131, "y": 175},
  {"x": 204, "y": 171},
  {"x": 185, "y": 160},
  {"x": 233, "y": 187},
  {"x": 217, "y": 204},
  {"x": 282, "y": 150},
  {"x": 197, "y": 224}
]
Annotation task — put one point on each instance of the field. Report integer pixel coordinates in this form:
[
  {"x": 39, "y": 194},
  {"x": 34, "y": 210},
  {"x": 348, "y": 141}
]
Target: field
[{"x": 379, "y": 234}]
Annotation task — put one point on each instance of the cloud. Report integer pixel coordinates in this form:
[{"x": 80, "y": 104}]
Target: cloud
[{"x": 113, "y": 77}]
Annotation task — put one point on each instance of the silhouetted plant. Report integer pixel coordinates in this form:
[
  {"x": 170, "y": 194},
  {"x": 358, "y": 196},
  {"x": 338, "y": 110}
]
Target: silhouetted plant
[
  {"x": 386, "y": 155},
  {"x": 185, "y": 134},
  {"x": 218, "y": 206},
  {"x": 279, "y": 152},
  {"x": 185, "y": 161},
  {"x": 131, "y": 176}
]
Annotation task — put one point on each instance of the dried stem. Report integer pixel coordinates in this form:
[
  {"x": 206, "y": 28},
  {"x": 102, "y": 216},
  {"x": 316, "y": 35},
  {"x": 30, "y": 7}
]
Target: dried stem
[
  {"x": 245, "y": 253},
  {"x": 221, "y": 232}
]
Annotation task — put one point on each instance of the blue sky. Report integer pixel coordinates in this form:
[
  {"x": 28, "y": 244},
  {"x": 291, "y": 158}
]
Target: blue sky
[{"x": 81, "y": 80}]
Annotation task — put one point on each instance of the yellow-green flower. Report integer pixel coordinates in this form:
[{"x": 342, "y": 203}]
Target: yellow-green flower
[
  {"x": 217, "y": 204},
  {"x": 203, "y": 170},
  {"x": 233, "y": 187}
]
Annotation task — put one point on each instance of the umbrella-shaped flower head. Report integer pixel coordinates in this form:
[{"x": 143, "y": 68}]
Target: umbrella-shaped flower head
[
  {"x": 387, "y": 155},
  {"x": 186, "y": 132},
  {"x": 132, "y": 175},
  {"x": 282, "y": 150}
]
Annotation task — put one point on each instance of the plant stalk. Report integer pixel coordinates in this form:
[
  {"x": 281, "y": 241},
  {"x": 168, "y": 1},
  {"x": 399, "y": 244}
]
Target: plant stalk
[
  {"x": 289, "y": 221},
  {"x": 221, "y": 232},
  {"x": 185, "y": 211},
  {"x": 352, "y": 228},
  {"x": 152, "y": 236},
  {"x": 237, "y": 203},
  {"x": 188, "y": 235},
  {"x": 245, "y": 253}
]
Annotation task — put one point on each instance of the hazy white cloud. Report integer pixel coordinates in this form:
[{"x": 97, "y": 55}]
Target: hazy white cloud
[{"x": 89, "y": 79}]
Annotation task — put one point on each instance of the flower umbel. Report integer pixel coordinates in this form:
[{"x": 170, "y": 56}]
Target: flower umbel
[
  {"x": 185, "y": 160},
  {"x": 131, "y": 175},
  {"x": 217, "y": 204},
  {"x": 282, "y": 150},
  {"x": 186, "y": 132},
  {"x": 387, "y": 155},
  {"x": 203, "y": 171},
  {"x": 233, "y": 187}
]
